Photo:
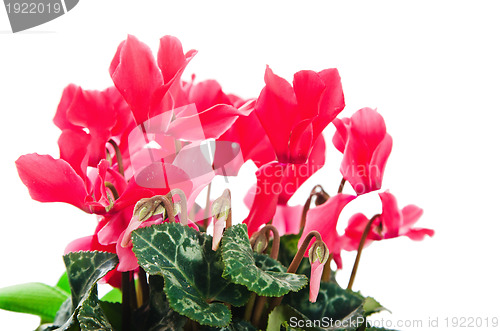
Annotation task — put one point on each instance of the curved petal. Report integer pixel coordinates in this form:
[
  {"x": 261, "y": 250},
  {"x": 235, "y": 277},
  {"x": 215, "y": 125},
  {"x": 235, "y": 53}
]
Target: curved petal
[
  {"x": 136, "y": 76},
  {"x": 411, "y": 214},
  {"x": 342, "y": 134},
  {"x": 207, "y": 94},
  {"x": 301, "y": 139},
  {"x": 368, "y": 127},
  {"x": 73, "y": 149},
  {"x": 277, "y": 104},
  {"x": 378, "y": 163},
  {"x": 50, "y": 180},
  {"x": 266, "y": 197},
  {"x": 247, "y": 131},
  {"x": 80, "y": 244},
  {"x": 324, "y": 219},
  {"x": 126, "y": 257},
  {"x": 392, "y": 218},
  {"x": 315, "y": 281},
  {"x": 287, "y": 219},
  {"x": 332, "y": 100},
  {"x": 296, "y": 174},
  {"x": 418, "y": 234},
  {"x": 171, "y": 58},
  {"x": 308, "y": 87},
  {"x": 211, "y": 123},
  {"x": 61, "y": 119}
]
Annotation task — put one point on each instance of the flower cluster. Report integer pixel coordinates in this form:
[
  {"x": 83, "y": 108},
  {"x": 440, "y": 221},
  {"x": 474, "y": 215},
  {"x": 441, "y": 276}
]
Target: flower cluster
[{"x": 135, "y": 155}]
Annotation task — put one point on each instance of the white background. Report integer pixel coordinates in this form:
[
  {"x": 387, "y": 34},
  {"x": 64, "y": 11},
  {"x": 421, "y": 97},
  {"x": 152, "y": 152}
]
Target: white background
[{"x": 431, "y": 69}]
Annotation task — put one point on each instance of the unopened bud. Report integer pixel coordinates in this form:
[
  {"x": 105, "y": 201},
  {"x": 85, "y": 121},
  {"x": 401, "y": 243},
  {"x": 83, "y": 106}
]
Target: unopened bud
[
  {"x": 259, "y": 242},
  {"x": 148, "y": 207},
  {"x": 318, "y": 252},
  {"x": 318, "y": 255}
]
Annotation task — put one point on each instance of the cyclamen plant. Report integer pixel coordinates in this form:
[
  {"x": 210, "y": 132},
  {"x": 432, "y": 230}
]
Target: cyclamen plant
[{"x": 138, "y": 155}]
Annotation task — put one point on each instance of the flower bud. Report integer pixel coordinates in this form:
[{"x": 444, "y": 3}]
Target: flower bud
[
  {"x": 318, "y": 255},
  {"x": 148, "y": 207},
  {"x": 318, "y": 251},
  {"x": 259, "y": 242}
]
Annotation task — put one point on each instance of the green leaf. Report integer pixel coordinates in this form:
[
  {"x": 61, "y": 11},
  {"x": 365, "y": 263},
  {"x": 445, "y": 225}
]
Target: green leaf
[
  {"x": 115, "y": 295},
  {"x": 284, "y": 315},
  {"x": 354, "y": 321},
  {"x": 91, "y": 316},
  {"x": 237, "y": 326},
  {"x": 84, "y": 269},
  {"x": 63, "y": 283},
  {"x": 113, "y": 313},
  {"x": 372, "y": 306},
  {"x": 156, "y": 314},
  {"x": 241, "y": 268},
  {"x": 33, "y": 298},
  {"x": 192, "y": 272},
  {"x": 332, "y": 302}
]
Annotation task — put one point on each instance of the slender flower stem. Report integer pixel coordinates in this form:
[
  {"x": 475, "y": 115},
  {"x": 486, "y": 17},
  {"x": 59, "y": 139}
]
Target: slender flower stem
[
  {"x": 183, "y": 201},
  {"x": 360, "y": 249},
  {"x": 207, "y": 207},
  {"x": 144, "y": 287},
  {"x": 257, "y": 312},
  {"x": 249, "y": 307},
  {"x": 307, "y": 205},
  {"x": 296, "y": 262},
  {"x": 169, "y": 207},
  {"x": 126, "y": 309},
  {"x": 341, "y": 186},
  {"x": 327, "y": 271},
  {"x": 261, "y": 300},
  {"x": 118, "y": 155},
  {"x": 276, "y": 240},
  {"x": 133, "y": 294}
]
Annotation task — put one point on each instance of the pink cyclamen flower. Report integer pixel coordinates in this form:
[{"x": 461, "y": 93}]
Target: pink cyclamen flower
[
  {"x": 276, "y": 183},
  {"x": 318, "y": 255},
  {"x": 392, "y": 223},
  {"x": 366, "y": 147},
  {"x": 294, "y": 117},
  {"x": 323, "y": 219}
]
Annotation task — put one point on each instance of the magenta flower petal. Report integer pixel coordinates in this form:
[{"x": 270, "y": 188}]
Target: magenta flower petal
[
  {"x": 324, "y": 219},
  {"x": 73, "y": 149},
  {"x": 392, "y": 223},
  {"x": 366, "y": 146},
  {"x": 137, "y": 77},
  {"x": 218, "y": 231},
  {"x": 42, "y": 176},
  {"x": 287, "y": 219},
  {"x": 266, "y": 199},
  {"x": 61, "y": 119},
  {"x": 210, "y": 123},
  {"x": 277, "y": 104},
  {"x": 315, "y": 280},
  {"x": 80, "y": 244},
  {"x": 171, "y": 58},
  {"x": 391, "y": 215},
  {"x": 296, "y": 174},
  {"x": 331, "y": 102}
]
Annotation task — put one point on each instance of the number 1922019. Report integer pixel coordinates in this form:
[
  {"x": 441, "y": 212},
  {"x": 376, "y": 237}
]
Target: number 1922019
[{"x": 33, "y": 8}]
